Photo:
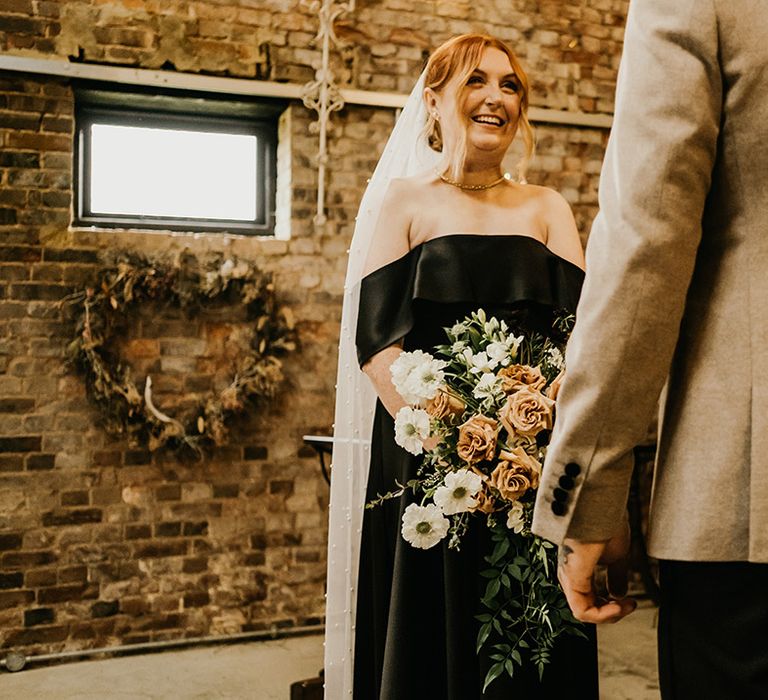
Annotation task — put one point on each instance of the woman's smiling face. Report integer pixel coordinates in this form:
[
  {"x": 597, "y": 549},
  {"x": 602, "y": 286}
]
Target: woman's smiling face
[
  {"x": 490, "y": 103},
  {"x": 486, "y": 106}
]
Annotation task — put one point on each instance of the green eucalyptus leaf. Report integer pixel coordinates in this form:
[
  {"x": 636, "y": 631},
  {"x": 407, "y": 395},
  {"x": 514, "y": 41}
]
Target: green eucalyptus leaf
[{"x": 493, "y": 673}]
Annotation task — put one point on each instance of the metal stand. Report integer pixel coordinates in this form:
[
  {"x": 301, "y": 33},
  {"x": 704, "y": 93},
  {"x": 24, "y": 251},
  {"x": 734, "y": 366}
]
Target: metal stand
[{"x": 323, "y": 445}]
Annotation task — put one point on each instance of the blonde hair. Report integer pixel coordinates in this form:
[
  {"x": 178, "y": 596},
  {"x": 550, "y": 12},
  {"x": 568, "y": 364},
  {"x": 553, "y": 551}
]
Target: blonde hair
[{"x": 458, "y": 57}]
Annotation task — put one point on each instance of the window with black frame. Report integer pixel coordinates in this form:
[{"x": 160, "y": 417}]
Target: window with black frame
[{"x": 175, "y": 161}]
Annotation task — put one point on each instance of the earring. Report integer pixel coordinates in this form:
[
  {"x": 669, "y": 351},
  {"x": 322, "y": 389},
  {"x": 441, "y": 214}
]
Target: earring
[{"x": 436, "y": 116}]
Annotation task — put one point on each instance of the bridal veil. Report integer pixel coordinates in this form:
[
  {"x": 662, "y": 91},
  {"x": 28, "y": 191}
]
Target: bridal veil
[{"x": 407, "y": 152}]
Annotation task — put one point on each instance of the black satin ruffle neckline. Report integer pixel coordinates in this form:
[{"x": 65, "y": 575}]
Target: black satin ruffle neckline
[{"x": 462, "y": 269}]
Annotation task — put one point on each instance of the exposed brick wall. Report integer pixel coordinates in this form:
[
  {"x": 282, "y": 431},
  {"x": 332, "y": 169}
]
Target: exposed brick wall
[
  {"x": 571, "y": 47},
  {"x": 100, "y": 542}
]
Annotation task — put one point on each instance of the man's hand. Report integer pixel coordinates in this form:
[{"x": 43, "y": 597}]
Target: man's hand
[{"x": 576, "y": 567}]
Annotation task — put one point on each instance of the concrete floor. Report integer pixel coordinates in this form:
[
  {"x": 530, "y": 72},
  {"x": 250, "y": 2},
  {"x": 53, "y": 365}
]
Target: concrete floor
[
  {"x": 265, "y": 670},
  {"x": 628, "y": 667}
]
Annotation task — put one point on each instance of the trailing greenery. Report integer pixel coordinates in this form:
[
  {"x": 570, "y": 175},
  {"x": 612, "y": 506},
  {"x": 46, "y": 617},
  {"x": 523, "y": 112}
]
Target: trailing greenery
[
  {"x": 526, "y": 609},
  {"x": 129, "y": 282}
]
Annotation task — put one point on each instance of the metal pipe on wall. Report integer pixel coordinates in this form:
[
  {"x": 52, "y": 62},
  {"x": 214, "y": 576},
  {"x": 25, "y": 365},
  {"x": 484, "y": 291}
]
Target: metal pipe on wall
[{"x": 15, "y": 661}]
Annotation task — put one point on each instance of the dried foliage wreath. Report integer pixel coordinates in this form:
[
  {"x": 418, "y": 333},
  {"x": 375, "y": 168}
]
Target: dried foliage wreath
[{"x": 104, "y": 311}]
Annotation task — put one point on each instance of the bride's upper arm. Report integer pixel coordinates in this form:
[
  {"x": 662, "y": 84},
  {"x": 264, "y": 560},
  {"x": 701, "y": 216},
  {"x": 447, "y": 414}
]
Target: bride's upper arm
[
  {"x": 562, "y": 235},
  {"x": 391, "y": 235}
]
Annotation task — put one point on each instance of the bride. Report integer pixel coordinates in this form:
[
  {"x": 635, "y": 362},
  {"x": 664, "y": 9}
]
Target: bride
[{"x": 441, "y": 231}]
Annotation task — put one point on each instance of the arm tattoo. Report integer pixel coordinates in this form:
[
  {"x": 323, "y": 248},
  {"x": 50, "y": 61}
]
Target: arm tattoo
[{"x": 562, "y": 555}]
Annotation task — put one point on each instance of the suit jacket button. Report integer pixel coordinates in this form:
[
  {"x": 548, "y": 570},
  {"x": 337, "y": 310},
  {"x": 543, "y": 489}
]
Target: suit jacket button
[
  {"x": 560, "y": 495},
  {"x": 572, "y": 469},
  {"x": 558, "y": 508},
  {"x": 566, "y": 482}
]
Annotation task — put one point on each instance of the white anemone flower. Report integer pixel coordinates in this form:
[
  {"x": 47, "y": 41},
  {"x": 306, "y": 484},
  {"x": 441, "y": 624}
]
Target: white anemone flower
[
  {"x": 516, "y": 517},
  {"x": 424, "y": 526},
  {"x": 457, "y": 494},
  {"x": 411, "y": 429},
  {"x": 405, "y": 363},
  {"x": 479, "y": 362},
  {"x": 427, "y": 378},
  {"x": 488, "y": 387},
  {"x": 417, "y": 376},
  {"x": 499, "y": 352}
]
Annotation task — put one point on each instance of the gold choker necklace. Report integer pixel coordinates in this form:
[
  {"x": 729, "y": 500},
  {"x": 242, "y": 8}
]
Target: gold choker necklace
[{"x": 464, "y": 186}]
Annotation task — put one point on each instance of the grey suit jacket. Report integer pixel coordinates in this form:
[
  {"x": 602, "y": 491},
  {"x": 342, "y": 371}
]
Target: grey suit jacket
[{"x": 676, "y": 292}]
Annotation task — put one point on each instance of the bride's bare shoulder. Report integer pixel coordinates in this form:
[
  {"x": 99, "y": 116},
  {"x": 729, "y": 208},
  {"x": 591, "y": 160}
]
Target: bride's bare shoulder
[
  {"x": 392, "y": 234},
  {"x": 540, "y": 194},
  {"x": 414, "y": 186}
]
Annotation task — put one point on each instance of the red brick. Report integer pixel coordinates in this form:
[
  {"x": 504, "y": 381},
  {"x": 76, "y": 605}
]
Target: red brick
[
  {"x": 13, "y": 599},
  {"x": 23, "y": 560},
  {"x": 74, "y": 498},
  {"x": 20, "y": 253},
  {"x": 161, "y": 549},
  {"x": 21, "y": 25},
  {"x": 16, "y": 405},
  {"x": 11, "y": 463},
  {"x": 38, "y": 142},
  {"x": 106, "y": 458},
  {"x": 13, "y": 580},
  {"x": 73, "y": 574},
  {"x": 196, "y": 599},
  {"x": 36, "y": 635},
  {"x": 19, "y": 121},
  {"x": 57, "y": 124},
  {"x": 43, "y": 462},
  {"x": 19, "y": 7},
  {"x": 7, "y": 216},
  {"x": 168, "y": 529},
  {"x": 13, "y": 198},
  {"x": 72, "y": 517},
  {"x": 38, "y": 616},
  {"x": 47, "y": 9},
  {"x": 134, "y": 606},
  {"x": 10, "y": 540},
  {"x": 138, "y": 532},
  {"x": 168, "y": 492},
  {"x": 226, "y": 490},
  {"x": 61, "y": 594},
  {"x": 38, "y": 578},
  {"x": 105, "y": 608},
  {"x": 162, "y": 622},
  {"x": 19, "y": 159},
  {"x": 195, "y": 565}
]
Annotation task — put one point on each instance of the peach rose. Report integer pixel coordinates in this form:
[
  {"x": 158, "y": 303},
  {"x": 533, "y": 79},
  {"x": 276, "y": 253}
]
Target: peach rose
[
  {"x": 445, "y": 406},
  {"x": 517, "y": 377},
  {"x": 554, "y": 388},
  {"x": 527, "y": 412},
  {"x": 477, "y": 439},
  {"x": 515, "y": 473},
  {"x": 484, "y": 501}
]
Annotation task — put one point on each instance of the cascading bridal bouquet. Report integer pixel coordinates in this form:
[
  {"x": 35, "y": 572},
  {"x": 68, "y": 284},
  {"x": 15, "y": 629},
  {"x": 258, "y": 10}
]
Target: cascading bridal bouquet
[{"x": 485, "y": 404}]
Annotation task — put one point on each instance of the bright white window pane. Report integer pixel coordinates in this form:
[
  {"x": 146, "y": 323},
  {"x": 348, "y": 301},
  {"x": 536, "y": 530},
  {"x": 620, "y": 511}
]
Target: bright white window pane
[{"x": 164, "y": 172}]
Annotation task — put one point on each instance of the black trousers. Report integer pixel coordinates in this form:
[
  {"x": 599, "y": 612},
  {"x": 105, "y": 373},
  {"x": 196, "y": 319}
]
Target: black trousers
[{"x": 713, "y": 631}]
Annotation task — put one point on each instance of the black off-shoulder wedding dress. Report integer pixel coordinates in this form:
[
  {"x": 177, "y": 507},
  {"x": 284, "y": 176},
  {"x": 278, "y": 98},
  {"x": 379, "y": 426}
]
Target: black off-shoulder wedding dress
[{"x": 415, "y": 629}]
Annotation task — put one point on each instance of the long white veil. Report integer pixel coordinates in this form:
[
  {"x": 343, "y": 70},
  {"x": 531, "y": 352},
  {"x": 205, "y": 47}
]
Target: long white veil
[{"x": 406, "y": 153}]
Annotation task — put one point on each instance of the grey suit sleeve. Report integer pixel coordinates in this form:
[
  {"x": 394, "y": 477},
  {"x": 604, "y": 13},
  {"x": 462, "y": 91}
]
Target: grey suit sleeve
[{"x": 640, "y": 258}]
